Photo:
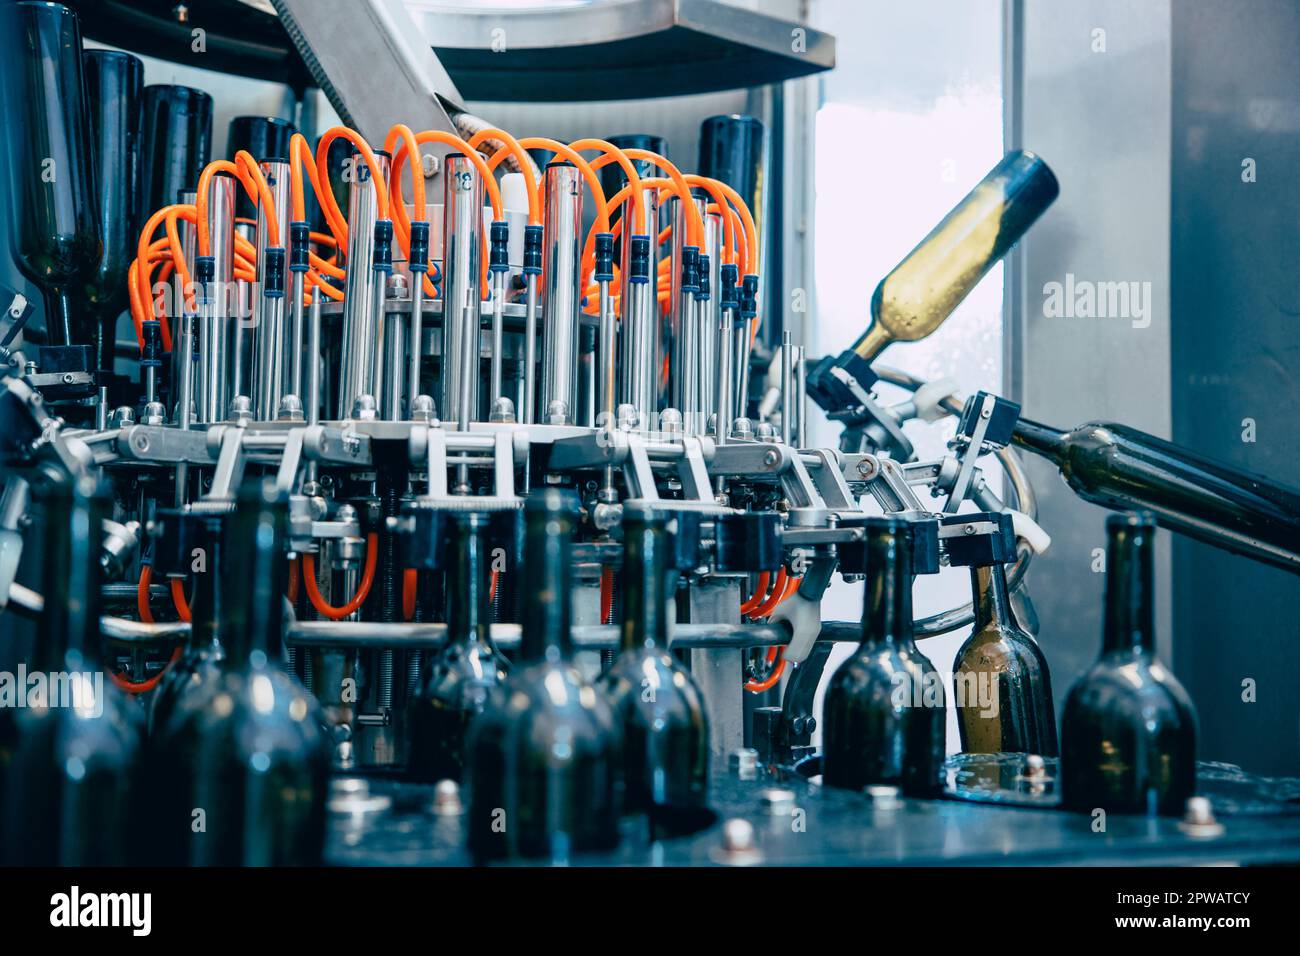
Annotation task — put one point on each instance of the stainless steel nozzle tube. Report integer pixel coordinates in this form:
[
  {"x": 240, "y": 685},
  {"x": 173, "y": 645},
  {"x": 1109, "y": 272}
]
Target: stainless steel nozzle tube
[
  {"x": 356, "y": 374},
  {"x": 214, "y": 319},
  {"x": 561, "y": 250},
  {"x": 269, "y": 336},
  {"x": 462, "y": 231},
  {"x": 639, "y": 346}
]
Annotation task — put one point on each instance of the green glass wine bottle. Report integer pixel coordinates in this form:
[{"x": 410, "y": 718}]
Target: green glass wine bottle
[
  {"x": 244, "y": 753},
  {"x": 68, "y": 784},
  {"x": 458, "y": 680},
  {"x": 660, "y": 708},
  {"x": 1128, "y": 732},
  {"x": 542, "y": 766},
  {"x": 884, "y": 715}
]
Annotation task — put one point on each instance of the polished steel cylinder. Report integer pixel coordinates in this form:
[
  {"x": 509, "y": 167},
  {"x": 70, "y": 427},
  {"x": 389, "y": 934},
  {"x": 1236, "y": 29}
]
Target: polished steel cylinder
[
  {"x": 415, "y": 332},
  {"x": 214, "y": 320},
  {"x": 269, "y": 328},
  {"x": 725, "y": 398},
  {"x": 693, "y": 324},
  {"x": 529, "y": 384},
  {"x": 561, "y": 254},
  {"x": 607, "y": 371},
  {"x": 390, "y": 381},
  {"x": 462, "y": 235},
  {"x": 359, "y": 336},
  {"x": 312, "y": 403},
  {"x": 184, "y": 298},
  {"x": 800, "y": 397},
  {"x": 787, "y": 388},
  {"x": 639, "y": 345},
  {"x": 707, "y": 319}
]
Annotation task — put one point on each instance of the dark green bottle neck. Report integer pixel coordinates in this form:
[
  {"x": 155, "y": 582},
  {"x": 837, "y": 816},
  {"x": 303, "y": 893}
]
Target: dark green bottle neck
[
  {"x": 253, "y": 586},
  {"x": 887, "y": 612},
  {"x": 1130, "y": 580},
  {"x": 68, "y": 635},
  {"x": 205, "y": 605},
  {"x": 991, "y": 597},
  {"x": 1044, "y": 440},
  {"x": 645, "y": 587},
  {"x": 547, "y": 611},
  {"x": 468, "y": 614}
]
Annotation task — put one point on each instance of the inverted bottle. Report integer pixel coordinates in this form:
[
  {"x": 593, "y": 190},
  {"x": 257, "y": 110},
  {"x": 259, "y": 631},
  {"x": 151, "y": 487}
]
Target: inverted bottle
[
  {"x": 1128, "y": 732},
  {"x": 923, "y": 290},
  {"x": 884, "y": 715}
]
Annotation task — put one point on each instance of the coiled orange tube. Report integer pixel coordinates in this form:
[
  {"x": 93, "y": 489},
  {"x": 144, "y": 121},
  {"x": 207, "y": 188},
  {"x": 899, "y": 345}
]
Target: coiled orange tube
[{"x": 324, "y": 608}]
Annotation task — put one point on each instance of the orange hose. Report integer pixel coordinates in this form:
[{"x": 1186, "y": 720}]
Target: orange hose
[
  {"x": 760, "y": 593},
  {"x": 587, "y": 169},
  {"x": 785, "y": 586},
  {"x": 294, "y": 578},
  {"x": 629, "y": 171},
  {"x": 142, "y": 594},
  {"x": 178, "y": 598},
  {"x": 606, "y": 594},
  {"x": 139, "y": 687},
  {"x": 525, "y": 167},
  {"x": 757, "y": 687},
  {"x": 410, "y": 577},
  {"x": 492, "y": 588},
  {"x": 326, "y": 609}
]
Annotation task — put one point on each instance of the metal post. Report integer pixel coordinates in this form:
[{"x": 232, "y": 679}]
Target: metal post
[
  {"x": 562, "y": 246},
  {"x": 462, "y": 229},
  {"x": 358, "y": 333},
  {"x": 269, "y": 333},
  {"x": 214, "y": 319}
]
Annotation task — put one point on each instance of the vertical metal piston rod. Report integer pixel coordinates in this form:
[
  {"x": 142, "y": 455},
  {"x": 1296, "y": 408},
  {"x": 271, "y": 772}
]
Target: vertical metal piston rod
[{"x": 562, "y": 245}]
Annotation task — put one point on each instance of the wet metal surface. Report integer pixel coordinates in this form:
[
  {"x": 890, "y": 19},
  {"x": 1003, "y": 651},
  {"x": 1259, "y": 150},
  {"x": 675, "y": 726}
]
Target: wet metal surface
[{"x": 1261, "y": 818}]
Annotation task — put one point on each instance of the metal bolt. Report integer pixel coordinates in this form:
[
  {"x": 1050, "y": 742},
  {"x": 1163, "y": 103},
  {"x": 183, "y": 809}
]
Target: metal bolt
[
  {"x": 670, "y": 421},
  {"x": 446, "y": 799},
  {"x": 626, "y": 416},
  {"x": 883, "y": 797},
  {"x": 155, "y": 413},
  {"x": 1199, "y": 820},
  {"x": 744, "y": 762},
  {"x": 365, "y": 407},
  {"x": 123, "y": 415},
  {"x": 742, "y": 428},
  {"x": 423, "y": 409},
  {"x": 1035, "y": 766},
  {"x": 396, "y": 286},
  {"x": 241, "y": 409},
  {"x": 68, "y": 378},
  {"x": 771, "y": 458},
  {"x": 503, "y": 410},
  {"x": 738, "y": 845},
  {"x": 290, "y": 409},
  {"x": 777, "y": 802},
  {"x": 557, "y": 412},
  {"x": 430, "y": 164}
]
